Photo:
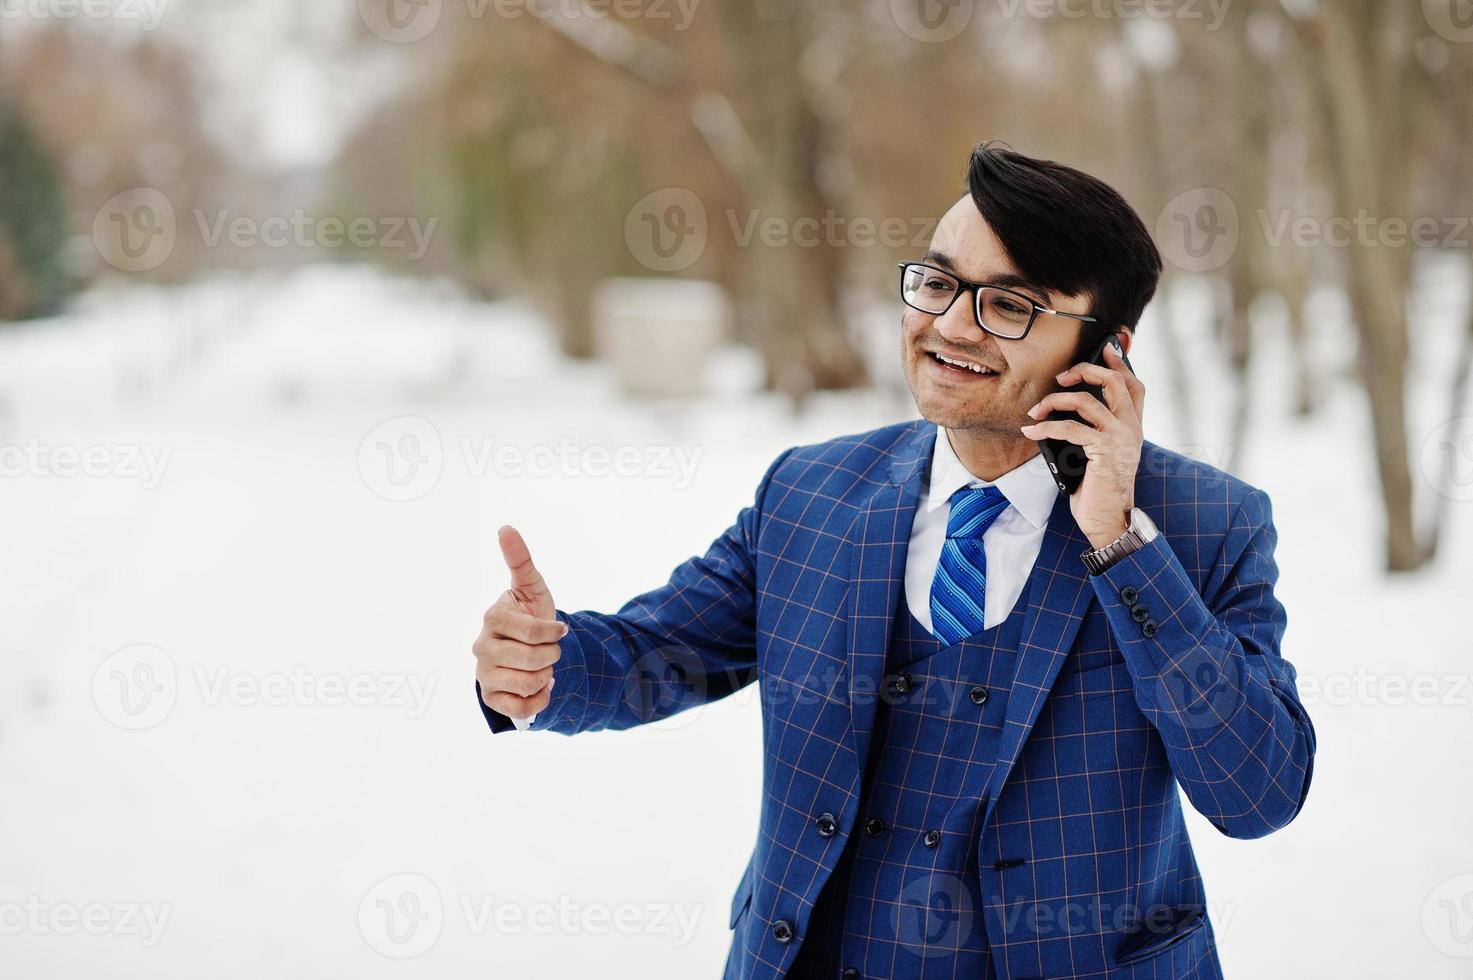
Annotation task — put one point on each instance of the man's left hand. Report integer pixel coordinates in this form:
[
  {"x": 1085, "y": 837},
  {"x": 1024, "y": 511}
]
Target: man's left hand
[{"x": 1111, "y": 439}]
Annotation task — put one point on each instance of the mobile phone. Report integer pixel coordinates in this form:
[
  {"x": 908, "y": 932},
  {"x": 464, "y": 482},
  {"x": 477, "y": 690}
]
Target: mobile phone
[{"x": 1066, "y": 461}]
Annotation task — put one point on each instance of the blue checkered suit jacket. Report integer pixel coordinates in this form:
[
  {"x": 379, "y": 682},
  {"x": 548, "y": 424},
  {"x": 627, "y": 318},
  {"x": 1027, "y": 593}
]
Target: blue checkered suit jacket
[{"x": 1163, "y": 670}]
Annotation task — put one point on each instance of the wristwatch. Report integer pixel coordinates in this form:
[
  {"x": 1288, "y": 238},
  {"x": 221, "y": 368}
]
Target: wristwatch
[{"x": 1141, "y": 532}]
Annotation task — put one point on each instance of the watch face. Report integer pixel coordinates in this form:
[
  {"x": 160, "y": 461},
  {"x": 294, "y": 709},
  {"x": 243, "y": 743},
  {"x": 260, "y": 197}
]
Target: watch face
[{"x": 1142, "y": 525}]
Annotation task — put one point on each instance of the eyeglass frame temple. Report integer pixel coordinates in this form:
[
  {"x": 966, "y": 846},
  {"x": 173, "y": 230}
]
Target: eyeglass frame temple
[{"x": 977, "y": 287}]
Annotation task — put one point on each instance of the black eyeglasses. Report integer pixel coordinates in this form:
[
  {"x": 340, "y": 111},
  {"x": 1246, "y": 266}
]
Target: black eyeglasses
[{"x": 1000, "y": 311}]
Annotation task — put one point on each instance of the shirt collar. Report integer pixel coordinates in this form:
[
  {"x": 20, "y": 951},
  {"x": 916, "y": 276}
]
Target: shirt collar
[{"x": 1029, "y": 487}]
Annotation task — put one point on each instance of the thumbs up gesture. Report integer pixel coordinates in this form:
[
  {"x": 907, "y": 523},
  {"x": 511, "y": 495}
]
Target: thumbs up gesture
[{"x": 519, "y": 637}]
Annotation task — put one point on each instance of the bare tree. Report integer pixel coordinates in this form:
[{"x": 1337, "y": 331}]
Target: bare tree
[{"x": 1368, "y": 84}]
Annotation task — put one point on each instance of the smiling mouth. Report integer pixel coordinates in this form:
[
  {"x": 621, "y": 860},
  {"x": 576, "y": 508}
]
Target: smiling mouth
[{"x": 960, "y": 367}]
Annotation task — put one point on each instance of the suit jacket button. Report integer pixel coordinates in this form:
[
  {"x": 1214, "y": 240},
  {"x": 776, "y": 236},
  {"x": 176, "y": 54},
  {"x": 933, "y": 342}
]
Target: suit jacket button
[
  {"x": 827, "y": 825},
  {"x": 1139, "y": 612},
  {"x": 849, "y": 974},
  {"x": 874, "y": 826},
  {"x": 979, "y": 695},
  {"x": 933, "y": 837},
  {"x": 782, "y": 931},
  {"x": 1149, "y": 627},
  {"x": 1129, "y": 595}
]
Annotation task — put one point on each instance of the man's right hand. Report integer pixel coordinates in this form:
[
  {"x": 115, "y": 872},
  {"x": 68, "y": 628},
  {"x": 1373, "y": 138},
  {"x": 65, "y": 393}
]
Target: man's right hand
[{"x": 519, "y": 638}]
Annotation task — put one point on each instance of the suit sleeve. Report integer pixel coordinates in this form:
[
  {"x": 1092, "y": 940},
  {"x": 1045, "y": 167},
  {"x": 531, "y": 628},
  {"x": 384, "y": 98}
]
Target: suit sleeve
[
  {"x": 1209, "y": 676},
  {"x": 688, "y": 642}
]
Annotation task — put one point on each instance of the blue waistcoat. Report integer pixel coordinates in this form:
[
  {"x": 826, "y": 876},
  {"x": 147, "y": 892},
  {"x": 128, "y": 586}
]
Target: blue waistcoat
[{"x": 904, "y": 900}]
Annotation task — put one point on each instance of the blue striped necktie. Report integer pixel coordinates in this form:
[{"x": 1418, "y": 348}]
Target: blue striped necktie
[{"x": 960, "y": 584}]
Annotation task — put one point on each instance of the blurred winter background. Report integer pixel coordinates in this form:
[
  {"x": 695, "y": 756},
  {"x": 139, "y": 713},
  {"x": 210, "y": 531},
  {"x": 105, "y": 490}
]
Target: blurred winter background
[{"x": 302, "y": 301}]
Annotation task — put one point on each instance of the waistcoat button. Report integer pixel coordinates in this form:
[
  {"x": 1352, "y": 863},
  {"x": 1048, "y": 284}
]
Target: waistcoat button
[
  {"x": 933, "y": 837},
  {"x": 979, "y": 695},
  {"x": 874, "y": 826},
  {"x": 901, "y": 684}
]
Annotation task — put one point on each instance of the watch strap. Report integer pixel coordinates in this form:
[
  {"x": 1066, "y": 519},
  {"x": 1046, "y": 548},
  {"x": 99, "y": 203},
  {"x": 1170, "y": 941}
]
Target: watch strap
[{"x": 1097, "y": 560}]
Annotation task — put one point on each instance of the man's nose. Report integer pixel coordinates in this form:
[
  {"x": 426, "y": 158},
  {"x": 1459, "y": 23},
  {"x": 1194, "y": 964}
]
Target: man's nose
[{"x": 959, "y": 324}]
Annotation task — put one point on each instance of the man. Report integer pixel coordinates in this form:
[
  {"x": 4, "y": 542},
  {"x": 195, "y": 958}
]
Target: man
[{"x": 978, "y": 692}]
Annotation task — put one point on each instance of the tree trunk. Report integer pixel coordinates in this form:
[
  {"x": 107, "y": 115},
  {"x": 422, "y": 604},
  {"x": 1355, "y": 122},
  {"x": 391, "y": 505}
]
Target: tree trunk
[
  {"x": 574, "y": 316},
  {"x": 1152, "y": 138},
  {"x": 1247, "y": 272},
  {"x": 1366, "y": 126},
  {"x": 792, "y": 278}
]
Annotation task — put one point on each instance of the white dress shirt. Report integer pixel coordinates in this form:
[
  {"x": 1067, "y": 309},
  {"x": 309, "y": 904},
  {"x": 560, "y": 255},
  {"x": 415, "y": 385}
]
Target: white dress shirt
[{"x": 1011, "y": 544}]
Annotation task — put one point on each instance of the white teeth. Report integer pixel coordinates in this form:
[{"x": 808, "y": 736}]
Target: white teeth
[{"x": 974, "y": 368}]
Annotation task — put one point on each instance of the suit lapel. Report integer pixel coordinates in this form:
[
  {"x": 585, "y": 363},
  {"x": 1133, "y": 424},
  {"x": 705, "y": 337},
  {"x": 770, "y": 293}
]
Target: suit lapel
[
  {"x": 1058, "y": 599},
  {"x": 881, "y": 537}
]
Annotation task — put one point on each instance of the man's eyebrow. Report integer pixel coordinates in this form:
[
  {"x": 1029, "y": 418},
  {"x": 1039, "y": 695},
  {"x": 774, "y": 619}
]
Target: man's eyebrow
[
  {"x": 1008, "y": 280},
  {"x": 934, "y": 257},
  {"x": 1022, "y": 284}
]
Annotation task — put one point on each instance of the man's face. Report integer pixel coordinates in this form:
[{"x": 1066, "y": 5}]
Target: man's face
[{"x": 958, "y": 398}]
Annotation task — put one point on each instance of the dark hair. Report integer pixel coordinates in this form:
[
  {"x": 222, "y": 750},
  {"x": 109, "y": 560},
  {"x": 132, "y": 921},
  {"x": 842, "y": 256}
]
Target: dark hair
[{"x": 1068, "y": 232}]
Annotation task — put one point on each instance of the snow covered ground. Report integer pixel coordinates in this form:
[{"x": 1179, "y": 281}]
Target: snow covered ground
[{"x": 248, "y": 530}]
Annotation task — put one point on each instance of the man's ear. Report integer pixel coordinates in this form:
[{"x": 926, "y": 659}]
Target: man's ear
[{"x": 1126, "y": 336}]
